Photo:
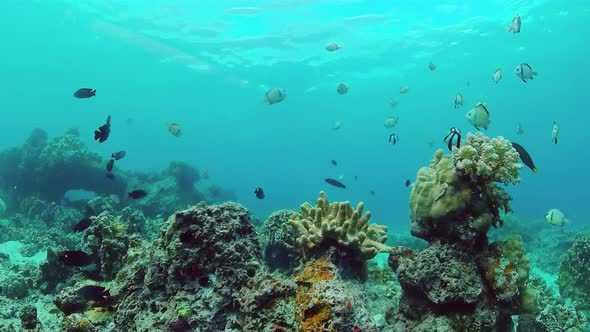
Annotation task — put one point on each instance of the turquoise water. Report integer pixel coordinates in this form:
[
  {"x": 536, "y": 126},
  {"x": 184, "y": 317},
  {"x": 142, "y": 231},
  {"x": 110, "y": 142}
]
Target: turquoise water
[{"x": 207, "y": 65}]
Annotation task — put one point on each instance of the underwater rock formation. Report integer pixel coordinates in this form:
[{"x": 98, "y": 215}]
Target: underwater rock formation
[
  {"x": 277, "y": 239},
  {"x": 338, "y": 224},
  {"x": 574, "y": 274},
  {"x": 202, "y": 260},
  {"x": 460, "y": 282}
]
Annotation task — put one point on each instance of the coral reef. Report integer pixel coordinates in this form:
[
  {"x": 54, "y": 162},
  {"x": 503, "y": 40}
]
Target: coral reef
[
  {"x": 277, "y": 239},
  {"x": 338, "y": 223},
  {"x": 574, "y": 274},
  {"x": 460, "y": 282}
]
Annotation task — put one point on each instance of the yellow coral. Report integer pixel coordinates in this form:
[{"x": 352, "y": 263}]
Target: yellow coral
[{"x": 339, "y": 222}]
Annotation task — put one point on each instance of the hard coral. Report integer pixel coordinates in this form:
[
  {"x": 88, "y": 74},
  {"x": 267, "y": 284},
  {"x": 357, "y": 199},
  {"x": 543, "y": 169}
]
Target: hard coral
[
  {"x": 341, "y": 224},
  {"x": 277, "y": 240},
  {"x": 574, "y": 274},
  {"x": 482, "y": 159}
]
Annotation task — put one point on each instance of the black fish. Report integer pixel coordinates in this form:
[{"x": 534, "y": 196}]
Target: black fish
[
  {"x": 119, "y": 155},
  {"x": 94, "y": 293},
  {"x": 408, "y": 182},
  {"x": 259, "y": 193},
  {"x": 372, "y": 192},
  {"x": 136, "y": 194},
  {"x": 525, "y": 156},
  {"x": 75, "y": 258},
  {"x": 335, "y": 183},
  {"x": 85, "y": 93},
  {"x": 334, "y": 162},
  {"x": 356, "y": 177},
  {"x": 103, "y": 132},
  {"x": 342, "y": 89},
  {"x": 111, "y": 176},
  {"x": 82, "y": 225},
  {"x": 110, "y": 165}
]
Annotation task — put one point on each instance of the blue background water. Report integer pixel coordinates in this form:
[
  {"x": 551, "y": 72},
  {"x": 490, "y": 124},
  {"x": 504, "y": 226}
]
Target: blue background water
[{"x": 207, "y": 64}]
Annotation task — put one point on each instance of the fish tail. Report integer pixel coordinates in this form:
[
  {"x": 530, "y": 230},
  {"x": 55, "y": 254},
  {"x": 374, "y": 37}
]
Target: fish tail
[
  {"x": 96, "y": 134},
  {"x": 535, "y": 170}
]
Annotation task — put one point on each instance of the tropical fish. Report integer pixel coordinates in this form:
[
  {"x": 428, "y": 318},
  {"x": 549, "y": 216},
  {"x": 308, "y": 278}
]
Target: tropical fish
[
  {"x": 335, "y": 183},
  {"x": 334, "y": 162},
  {"x": 82, "y": 225},
  {"x": 519, "y": 129},
  {"x": 525, "y": 156},
  {"x": 85, "y": 93},
  {"x": 391, "y": 121},
  {"x": 479, "y": 116},
  {"x": 259, "y": 193},
  {"x": 342, "y": 89},
  {"x": 458, "y": 100},
  {"x": 554, "y": 132},
  {"x": 393, "y": 103},
  {"x": 404, "y": 89},
  {"x": 337, "y": 125},
  {"x": 103, "y": 132},
  {"x": 407, "y": 183},
  {"x": 431, "y": 66},
  {"x": 393, "y": 139},
  {"x": 175, "y": 129},
  {"x": 331, "y": 47},
  {"x": 556, "y": 217},
  {"x": 94, "y": 293},
  {"x": 275, "y": 95},
  {"x": 525, "y": 72},
  {"x": 75, "y": 258},
  {"x": 497, "y": 75},
  {"x": 137, "y": 194},
  {"x": 119, "y": 155},
  {"x": 110, "y": 165},
  {"x": 515, "y": 26}
]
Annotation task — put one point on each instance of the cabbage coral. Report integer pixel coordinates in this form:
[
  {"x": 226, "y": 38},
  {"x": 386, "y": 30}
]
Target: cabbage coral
[
  {"x": 342, "y": 224},
  {"x": 487, "y": 160}
]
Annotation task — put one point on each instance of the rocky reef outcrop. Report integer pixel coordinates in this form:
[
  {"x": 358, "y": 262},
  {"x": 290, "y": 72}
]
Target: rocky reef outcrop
[
  {"x": 574, "y": 274},
  {"x": 460, "y": 282}
]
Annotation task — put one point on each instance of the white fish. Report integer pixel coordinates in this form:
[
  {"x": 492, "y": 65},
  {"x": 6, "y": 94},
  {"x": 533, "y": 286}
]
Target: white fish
[
  {"x": 519, "y": 130},
  {"x": 404, "y": 89},
  {"x": 515, "y": 26},
  {"x": 391, "y": 122},
  {"x": 525, "y": 72},
  {"x": 479, "y": 116},
  {"x": 275, "y": 95},
  {"x": 458, "y": 100},
  {"x": 497, "y": 76},
  {"x": 331, "y": 47},
  {"x": 554, "y": 132},
  {"x": 556, "y": 217}
]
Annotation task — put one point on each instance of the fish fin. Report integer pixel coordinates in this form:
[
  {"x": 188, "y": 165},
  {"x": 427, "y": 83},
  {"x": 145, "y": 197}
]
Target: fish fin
[
  {"x": 522, "y": 78},
  {"x": 535, "y": 73}
]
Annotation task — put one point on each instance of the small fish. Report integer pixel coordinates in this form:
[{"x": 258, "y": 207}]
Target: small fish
[
  {"x": 519, "y": 130},
  {"x": 393, "y": 103},
  {"x": 94, "y": 293},
  {"x": 468, "y": 83},
  {"x": 75, "y": 258},
  {"x": 525, "y": 156},
  {"x": 372, "y": 192},
  {"x": 103, "y": 132},
  {"x": 331, "y": 47},
  {"x": 515, "y": 26},
  {"x": 110, "y": 176},
  {"x": 497, "y": 75},
  {"x": 137, "y": 194},
  {"x": 337, "y": 125},
  {"x": 454, "y": 133},
  {"x": 525, "y": 72},
  {"x": 275, "y": 95},
  {"x": 82, "y": 225},
  {"x": 554, "y": 132},
  {"x": 259, "y": 193},
  {"x": 119, "y": 155},
  {"x": 556, "y": 217},
  {"x": 458, "y": 100},
  {"x": 479, "y": 116},
  {"x": 85, "y": 93},
  {"x": 391, "y": 121},
  {"x": 334, "y": 162},
  {"x": 393, "y": 139},
  {"x": 175, "y": 129},
  {"x": 335, "y": 183},
  {"x": 110, "y": 165},
  {"x": 342, "y": 89},
  {"x": 356, "y": 177},
  {"x": 407, "y": 183},
  {"x": 430, "y": 142},
  {"x": 349, "y": 304},
  {"x": 404, "y": 89},
  {"x": 431, "y": 66}
]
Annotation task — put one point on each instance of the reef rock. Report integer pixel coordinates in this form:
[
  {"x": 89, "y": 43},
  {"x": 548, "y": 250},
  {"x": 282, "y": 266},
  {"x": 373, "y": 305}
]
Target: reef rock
[{"x": 574, "y": 274}]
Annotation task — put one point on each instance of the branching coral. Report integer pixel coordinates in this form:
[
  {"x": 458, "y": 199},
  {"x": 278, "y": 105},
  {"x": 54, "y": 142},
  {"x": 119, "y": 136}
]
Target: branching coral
[
  {"x": 487, "y": 160},
  {"x": 340, "y": 223}
]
